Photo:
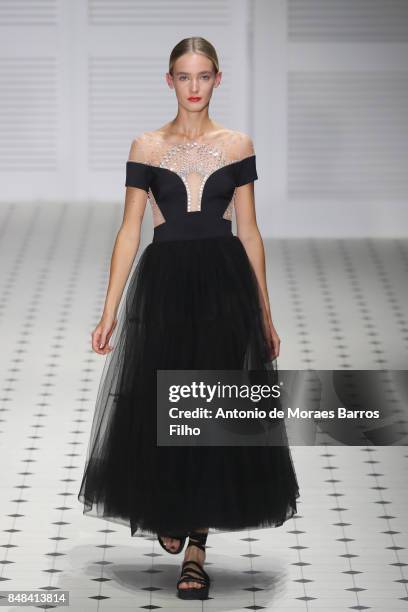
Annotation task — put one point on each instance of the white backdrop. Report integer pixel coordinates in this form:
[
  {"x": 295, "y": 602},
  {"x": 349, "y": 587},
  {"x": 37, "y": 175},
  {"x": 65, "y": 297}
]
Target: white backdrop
[
  {"x": 331, "y": 116},
  {"x": 320, "y": 86}
]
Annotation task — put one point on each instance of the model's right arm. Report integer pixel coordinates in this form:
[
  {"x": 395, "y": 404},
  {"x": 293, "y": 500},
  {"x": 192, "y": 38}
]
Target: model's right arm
[{"x": 124, "y": 251}]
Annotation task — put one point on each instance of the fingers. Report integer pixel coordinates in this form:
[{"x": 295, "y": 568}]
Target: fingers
[
  {"x": 101, "y": 351},
  {"x": 100, "y": 340},
  {"x": 275, "y": 346},
  {"x": 96, "y": 336}
]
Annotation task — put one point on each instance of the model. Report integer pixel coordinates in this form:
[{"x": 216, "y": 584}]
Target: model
[{"x": 197, "y": 299}]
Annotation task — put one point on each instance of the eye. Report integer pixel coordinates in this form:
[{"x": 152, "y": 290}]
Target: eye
[{"x": 206, "y": 77}]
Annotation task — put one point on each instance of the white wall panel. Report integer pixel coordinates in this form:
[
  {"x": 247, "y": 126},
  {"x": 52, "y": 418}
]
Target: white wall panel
[
  {"x": 28, "y": 13},
  {"x": 331, "y": 118},
  {"x": 348, "y": 134},
  {"x": 28, "y": 113},
  {"x": 327, "y": 21},
  {"x": 80, "y": 79},
  {"x": 160, "y": 12},
  {"x": 323, "y": 93}
]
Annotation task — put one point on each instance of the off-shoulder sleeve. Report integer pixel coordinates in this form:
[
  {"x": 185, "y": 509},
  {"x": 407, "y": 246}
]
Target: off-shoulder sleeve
[
  {"x": 137, "y": 175},
  {"x": 245, "y": 169},
  {"x": 138, "y": 172}
]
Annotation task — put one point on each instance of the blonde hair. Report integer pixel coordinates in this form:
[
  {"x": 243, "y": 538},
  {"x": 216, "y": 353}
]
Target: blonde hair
[{"x": 193, "y": 44}]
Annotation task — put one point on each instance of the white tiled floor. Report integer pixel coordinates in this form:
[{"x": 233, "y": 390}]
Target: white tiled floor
[{"x": 336, "y": 304}]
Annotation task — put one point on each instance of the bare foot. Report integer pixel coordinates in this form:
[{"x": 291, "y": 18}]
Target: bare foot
[{"x": 171, "y": 543}]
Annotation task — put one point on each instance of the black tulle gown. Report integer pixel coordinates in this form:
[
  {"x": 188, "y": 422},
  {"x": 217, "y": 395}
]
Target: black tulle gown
[{"x": 192, "y": 302}]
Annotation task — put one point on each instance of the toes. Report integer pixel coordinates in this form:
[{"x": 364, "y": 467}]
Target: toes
[
  {"x": 187, "y": 585},
  {"x": 171, "y": 543}
]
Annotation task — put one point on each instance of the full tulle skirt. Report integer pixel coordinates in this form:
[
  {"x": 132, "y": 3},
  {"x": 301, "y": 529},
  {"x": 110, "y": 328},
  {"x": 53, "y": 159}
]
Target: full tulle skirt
[{"x": 190, "y": 304}]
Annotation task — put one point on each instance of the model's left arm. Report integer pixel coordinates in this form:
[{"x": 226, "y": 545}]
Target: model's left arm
[{"x": 250, "y": 236}]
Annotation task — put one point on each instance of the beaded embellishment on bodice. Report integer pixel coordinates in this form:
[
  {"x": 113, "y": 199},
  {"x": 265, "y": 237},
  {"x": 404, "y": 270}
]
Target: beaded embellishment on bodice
[{"x": 193, "y": 162}]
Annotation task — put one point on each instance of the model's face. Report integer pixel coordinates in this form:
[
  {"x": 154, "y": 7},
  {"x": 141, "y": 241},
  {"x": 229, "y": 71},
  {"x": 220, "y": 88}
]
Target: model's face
[{"x": 194, "y": 79}]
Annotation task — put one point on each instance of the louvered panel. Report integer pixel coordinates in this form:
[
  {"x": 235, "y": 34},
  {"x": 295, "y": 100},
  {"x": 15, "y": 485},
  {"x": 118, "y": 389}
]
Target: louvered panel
[
  {"x": 148, "y": 13},
  {"x": 28, "y": 113},
  {"x": 347, "y": 20},
  {"x": 78, "y": 89},
  {"x": 128, "y": 95},
  {"x": 348, "y": 134},
  {"x": 28, "y": 12}
]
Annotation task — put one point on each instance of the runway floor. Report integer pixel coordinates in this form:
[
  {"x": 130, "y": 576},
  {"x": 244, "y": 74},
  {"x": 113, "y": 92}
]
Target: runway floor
[{"x": 336, "y": 303}]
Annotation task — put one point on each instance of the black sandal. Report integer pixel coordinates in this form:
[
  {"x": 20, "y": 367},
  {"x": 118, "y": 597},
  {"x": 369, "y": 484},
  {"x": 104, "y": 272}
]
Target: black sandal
[
  {"x": 197, "y": 538},
  {"x": 182, "y": 539}
]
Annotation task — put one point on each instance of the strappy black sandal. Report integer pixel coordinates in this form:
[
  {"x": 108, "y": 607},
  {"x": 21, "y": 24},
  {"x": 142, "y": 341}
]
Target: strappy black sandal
[
  {"x": 197, "y": 538},
  {"x": 182, "y": 539}
]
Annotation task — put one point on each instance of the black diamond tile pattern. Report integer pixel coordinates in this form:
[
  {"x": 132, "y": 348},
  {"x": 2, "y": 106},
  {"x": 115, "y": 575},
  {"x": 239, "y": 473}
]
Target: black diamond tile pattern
[{"x": 339, "y": 303}]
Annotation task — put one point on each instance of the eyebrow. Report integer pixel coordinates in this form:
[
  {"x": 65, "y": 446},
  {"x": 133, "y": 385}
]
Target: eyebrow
[{"x": 202, "y": 72}]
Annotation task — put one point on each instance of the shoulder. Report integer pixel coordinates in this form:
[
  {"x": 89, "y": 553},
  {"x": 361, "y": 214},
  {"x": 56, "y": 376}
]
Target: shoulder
[
  {"x": 244, "y": 139},
  {"x": 141, "y": 146},
  {"x": 136, "y": 148},
  {"x": 241, "y": 144}
]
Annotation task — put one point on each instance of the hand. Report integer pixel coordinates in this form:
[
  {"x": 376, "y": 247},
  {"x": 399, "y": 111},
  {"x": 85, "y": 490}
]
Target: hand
[
  {"x": 274, "y": 341},
  {"x": 102, "y": 333}
]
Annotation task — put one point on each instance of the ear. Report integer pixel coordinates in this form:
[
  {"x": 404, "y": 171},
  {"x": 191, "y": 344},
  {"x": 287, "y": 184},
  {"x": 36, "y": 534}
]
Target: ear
[
  {"x": 218, "y": 78},
  {"x": 169, "y": 80}
]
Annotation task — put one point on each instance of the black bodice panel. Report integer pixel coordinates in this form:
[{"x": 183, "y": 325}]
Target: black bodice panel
[{"x": 170, "y": 191}]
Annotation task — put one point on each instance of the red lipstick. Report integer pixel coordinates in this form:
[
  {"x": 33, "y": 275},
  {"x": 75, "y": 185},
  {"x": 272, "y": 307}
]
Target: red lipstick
[{"x": 194, "y": 99}]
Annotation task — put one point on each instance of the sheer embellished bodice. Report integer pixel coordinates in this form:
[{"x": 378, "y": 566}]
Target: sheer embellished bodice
[{"x": 185, "y": 177}]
